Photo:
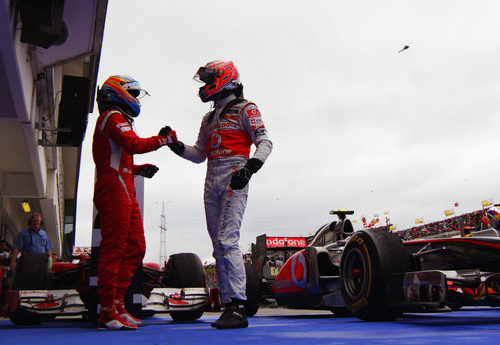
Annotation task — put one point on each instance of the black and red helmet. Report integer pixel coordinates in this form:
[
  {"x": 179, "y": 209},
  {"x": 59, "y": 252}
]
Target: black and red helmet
[{"x": 220, "y": 78}]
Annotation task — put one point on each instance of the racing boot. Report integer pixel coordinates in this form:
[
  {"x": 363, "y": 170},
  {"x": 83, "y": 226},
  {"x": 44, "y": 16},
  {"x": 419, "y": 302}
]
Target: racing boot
[
  {"x": 109, "y": 319},
  {"x": 222, "y": 316},
  {"x": 234, "y": 316},
  {"x": 120, "y": 308}
]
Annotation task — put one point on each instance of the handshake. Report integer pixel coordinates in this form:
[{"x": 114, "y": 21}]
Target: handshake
[
  {"x": 169, "y": 135},
  {"x": 170, "y": 139}
]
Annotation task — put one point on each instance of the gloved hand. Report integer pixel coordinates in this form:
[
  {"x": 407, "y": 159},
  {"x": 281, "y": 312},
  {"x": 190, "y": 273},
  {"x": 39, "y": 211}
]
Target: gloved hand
[
  {"x": 241, "y": 177},
  {"x": 148, "y": 170},
  {"x": 177, "y": 148},
  {"x": 169, "y": 134}
]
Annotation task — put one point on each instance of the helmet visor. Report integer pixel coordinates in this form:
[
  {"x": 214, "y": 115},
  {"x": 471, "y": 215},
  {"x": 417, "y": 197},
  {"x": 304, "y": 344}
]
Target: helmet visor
[
  {"x": 138, "y": 93},
  {"x": 205, "y": 75},
  {"x": 135, "y": 89}
]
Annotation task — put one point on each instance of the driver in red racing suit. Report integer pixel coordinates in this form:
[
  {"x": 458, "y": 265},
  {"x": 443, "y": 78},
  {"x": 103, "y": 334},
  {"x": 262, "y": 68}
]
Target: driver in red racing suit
[
  {"x": 122, "y": 244},
  {"x": 225, "y": 138}
]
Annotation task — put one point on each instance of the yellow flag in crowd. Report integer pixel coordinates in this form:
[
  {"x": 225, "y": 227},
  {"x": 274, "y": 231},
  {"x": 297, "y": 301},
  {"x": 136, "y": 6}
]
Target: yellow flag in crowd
[
  {"x": 375, "y": 215},
  {"x": 487, "y": 202},
  {"x": 419, "y": 221},
  {"x": 391, "y": 227},
  {"x": 448, "y": 212},
  {"x": 386, "y": 212}
]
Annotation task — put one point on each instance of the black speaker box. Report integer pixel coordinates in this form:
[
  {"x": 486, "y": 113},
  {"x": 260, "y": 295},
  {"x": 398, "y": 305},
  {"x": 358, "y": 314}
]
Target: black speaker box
[
  {"x": 73, "y": 110},
  {"x": 43, "y": 23}
]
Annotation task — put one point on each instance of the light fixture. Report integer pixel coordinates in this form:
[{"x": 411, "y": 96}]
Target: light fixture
[{"x": 26, "y": 206}]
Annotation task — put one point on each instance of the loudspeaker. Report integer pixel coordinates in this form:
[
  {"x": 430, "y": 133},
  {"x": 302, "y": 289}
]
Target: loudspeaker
[
  {"x": 73, "y": 110},
  {"x": 43, "y": 23}
]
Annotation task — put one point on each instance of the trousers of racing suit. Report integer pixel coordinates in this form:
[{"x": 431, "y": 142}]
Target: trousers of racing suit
[
  {"x": 225, "y": 138},
  {"x": 123, "y": 245}
]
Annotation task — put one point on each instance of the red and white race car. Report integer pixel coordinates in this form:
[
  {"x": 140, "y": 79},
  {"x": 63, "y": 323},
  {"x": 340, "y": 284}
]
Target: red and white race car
[
  {"x": 66, "y": 289},
  {"x": 374, "y": 276}
]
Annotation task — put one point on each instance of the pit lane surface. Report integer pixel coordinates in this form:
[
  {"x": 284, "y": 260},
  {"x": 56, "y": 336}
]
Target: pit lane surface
[{"x": 274, "y": 327}]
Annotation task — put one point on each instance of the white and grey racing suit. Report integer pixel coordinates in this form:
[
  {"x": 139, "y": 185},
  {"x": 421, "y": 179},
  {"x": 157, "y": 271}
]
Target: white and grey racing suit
[{"x": 225, "y": 138}]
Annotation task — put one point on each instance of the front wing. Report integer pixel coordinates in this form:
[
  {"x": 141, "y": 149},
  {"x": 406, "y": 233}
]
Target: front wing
[{"x": 68, "y": 302}]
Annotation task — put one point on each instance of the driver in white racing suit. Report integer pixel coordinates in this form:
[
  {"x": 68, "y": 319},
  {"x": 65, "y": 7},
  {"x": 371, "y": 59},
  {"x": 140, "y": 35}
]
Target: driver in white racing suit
[{"x": 225, "y": 138}]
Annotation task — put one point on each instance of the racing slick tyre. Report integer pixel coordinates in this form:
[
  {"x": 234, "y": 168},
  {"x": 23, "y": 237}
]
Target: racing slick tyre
[
  {"x": 252, "y": 290},
  {"x": 368, "y": 261},
  {"x": 341, "y": 311},
  {"x": 25, "y": 318},
  {"x": 185, "y": 270}
]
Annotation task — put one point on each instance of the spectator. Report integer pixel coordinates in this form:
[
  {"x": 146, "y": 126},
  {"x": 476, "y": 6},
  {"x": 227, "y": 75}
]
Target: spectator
[
  {"x": 4, "y": 258},
  {"x": 454, "y": 224},
  {"x": 31, "y": 240},
  {"x": 4, "y": 266},
  {"x": 272, "y": 262},
  {"x": 4, "y": 253},
  {"x": 279, "y": 261}
]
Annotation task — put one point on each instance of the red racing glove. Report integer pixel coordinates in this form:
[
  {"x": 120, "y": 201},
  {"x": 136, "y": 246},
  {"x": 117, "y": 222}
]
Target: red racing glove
[{"x": 169, "y": 134}]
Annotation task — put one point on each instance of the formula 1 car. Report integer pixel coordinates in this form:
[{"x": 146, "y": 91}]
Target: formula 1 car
[
  {"x": 374, "y": 276},
  {"x": 66, "y": 289},
  {"x": 268, "y": 255}
]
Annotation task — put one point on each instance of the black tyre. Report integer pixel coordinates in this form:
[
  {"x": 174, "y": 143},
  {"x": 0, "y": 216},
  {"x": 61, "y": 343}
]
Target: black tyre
[
  {"x": 252, "y": 290},
  {"x": 185, "y": 270},
  {"x": 187, "y": 315},
  {"x": 24, "y": 318},
  {"x": 368, "y": 261},
  {"x": 341, "y": 311}
]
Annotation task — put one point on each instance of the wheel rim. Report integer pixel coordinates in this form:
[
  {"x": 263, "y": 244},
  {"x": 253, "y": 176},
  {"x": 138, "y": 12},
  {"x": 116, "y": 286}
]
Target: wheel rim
[{"x": 355, "y": 274}]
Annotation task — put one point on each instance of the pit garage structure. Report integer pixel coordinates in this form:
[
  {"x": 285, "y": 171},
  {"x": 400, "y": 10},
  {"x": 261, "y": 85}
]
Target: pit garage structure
[{"x": 49, "y": 58}]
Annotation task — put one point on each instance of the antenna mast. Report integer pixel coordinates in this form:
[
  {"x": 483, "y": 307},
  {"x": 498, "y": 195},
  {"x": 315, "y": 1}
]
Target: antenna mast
[{"x": 163, "y": 236}]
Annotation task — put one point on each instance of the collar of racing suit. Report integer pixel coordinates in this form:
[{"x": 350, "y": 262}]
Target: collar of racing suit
[{"x": 225, "y": 104}]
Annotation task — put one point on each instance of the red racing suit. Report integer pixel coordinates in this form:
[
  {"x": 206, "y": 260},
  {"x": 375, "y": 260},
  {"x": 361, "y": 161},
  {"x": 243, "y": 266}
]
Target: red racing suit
[
  {"x": 123, "y": 245},
  {"x": 225, "y": 138}
]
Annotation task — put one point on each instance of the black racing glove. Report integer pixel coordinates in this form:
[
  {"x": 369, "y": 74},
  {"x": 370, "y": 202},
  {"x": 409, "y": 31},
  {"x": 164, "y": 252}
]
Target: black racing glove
[
  {"x": 241, "y": 177},
  {"x": 164, "y": 131},
  {"x": 177, "y": 148},
  {"x": 148, "y": 170}
]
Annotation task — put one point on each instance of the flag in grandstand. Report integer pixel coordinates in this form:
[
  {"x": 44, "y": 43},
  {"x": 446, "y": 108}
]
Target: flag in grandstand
[
  {"x": 391, "y": 227},
  {"x": 419, "y": 221},
  {"x": 363, "y": 219},
  {"x": 487, "y": 202},
  {"x": 373, "y": 222},
  {"x": 449, "y": 212}
]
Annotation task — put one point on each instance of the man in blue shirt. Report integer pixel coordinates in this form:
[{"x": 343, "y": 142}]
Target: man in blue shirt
[{"x": 31, "y": 240}]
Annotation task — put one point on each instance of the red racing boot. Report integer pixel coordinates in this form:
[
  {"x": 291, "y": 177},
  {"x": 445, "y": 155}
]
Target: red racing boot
[
  {"x": 109, "y": 319},
  {"x": 120, "y": 308}
]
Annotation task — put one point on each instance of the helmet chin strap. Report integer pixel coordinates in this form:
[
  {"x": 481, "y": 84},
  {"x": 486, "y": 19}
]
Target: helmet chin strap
[
  {"x": 128, "y": 117},
  {"x": 219, "y": 102}
]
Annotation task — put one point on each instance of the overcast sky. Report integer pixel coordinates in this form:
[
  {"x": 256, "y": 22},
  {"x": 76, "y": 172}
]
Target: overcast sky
[{"x": 355, "y": 124}]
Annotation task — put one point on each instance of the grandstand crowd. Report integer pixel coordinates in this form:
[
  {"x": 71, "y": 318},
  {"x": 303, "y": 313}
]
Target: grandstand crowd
[{"x": 476, "y": 220}]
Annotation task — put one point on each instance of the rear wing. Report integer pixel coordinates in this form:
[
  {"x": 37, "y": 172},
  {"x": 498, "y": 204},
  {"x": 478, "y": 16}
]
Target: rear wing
[{"x": 341, "y": 213}]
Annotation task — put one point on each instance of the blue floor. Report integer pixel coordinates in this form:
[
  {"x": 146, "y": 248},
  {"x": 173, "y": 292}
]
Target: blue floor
[{"x": 472, "y": 326}]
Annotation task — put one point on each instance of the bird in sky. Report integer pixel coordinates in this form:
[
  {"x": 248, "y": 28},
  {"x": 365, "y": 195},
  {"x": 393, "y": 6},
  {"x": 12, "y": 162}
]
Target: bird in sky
[{"x": 404, "y": 48}]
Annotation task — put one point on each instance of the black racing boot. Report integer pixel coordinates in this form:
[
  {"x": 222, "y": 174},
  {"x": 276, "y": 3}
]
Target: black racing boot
[
  {"x": 234, "y": 316},
  {"x": 222, "y": 316}
]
